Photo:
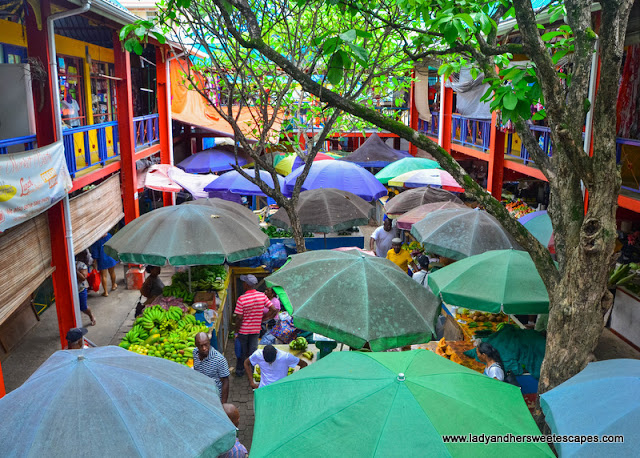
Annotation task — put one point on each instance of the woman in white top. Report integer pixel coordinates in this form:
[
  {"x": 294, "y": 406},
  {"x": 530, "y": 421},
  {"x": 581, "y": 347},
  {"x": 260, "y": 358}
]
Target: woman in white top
[
  {"x": 490, "y": 356},
  {"x": 421, "y": 275}
]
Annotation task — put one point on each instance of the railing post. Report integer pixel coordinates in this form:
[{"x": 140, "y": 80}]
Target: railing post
[
  {"x": 164, "y": 115},
  {"x": 125, "y": 130},
  {"x": 496, "y": 159},
  {"x": 446, "y": 118},
  {"x": 413, "y": 111}
]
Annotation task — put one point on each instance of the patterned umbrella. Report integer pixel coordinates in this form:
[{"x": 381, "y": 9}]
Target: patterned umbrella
[{"x": 427, "y": 177}]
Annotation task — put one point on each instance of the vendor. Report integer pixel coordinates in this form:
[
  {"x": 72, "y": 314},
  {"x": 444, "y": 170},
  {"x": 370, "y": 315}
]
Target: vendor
[
  {"x": 270, "y": 313},
  {"x": 401, "y": 258},
  {"x": 152, "y": 286}
]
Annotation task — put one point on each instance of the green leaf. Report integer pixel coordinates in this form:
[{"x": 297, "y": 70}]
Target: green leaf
[
  {"x": 559, "y": 54},
  {"x": 359, "y": 52},
  {"x": 336, "y": 69},
  {"x": 467, "y": 18},
  {"x": 450, "y": 32},
  {"x": 349, "y": 35},
  {"x": 330, "y": 45},
  {"x": 161, "y": 38},
  {"x": 510, "y": 100},
  {"x": 138, "y": 49},
  {"x": 363, "y": 34},
  {"x": 549, "y": 35}
]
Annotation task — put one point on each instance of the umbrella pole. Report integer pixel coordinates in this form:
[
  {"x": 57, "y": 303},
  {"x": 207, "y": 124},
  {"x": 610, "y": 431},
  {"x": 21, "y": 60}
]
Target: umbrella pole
[
  {"x": 325, "y": 240},
  {"x": 190, "y": 280}
]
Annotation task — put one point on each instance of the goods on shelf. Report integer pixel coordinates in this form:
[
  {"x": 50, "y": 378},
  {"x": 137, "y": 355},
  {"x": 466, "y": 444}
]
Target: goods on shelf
[
  {"x": 518, "y": 208},
  {"x": 479, "y": 324},
  {"x": 168, "y": 334},
  {"x": 203, "y": 278},
  {"x": 277, "y": 233}
]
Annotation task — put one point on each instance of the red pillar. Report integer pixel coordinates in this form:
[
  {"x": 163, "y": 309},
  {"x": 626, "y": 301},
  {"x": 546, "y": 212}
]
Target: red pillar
[
  {"x": 446, "y": 110},
  {"x": 122, "y": 67},
  {"x": 496, "y": 159},
  {"x": 2, "y": 389},
  {"x": 413, "y": 112},
  {"x": 164, "y": 115},
  {"x": 37, "y": 46}
]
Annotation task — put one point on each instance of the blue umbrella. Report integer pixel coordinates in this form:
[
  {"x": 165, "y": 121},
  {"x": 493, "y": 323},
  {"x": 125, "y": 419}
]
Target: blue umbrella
[
  {"x": 539, "y": 224},
  {"x": 340, "y": 175},
  {"x": 212, "y": 160},
  {"x": 237, "y": 184},
  {"x": 108, "y": 401},
  {"x": 600, "y": 400}
]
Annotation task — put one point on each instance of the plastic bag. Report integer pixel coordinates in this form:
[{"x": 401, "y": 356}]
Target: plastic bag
[{"x": 94, "y": 280}]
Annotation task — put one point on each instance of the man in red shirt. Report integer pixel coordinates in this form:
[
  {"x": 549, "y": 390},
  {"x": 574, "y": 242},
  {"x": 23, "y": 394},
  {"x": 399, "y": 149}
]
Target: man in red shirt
[{"x": 249, "y": 309}]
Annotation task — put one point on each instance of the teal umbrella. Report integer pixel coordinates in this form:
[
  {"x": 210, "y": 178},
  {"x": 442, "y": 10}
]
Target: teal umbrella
[
  {"x": 188, "y": 235},
  {"x": 110, "y": 402},
  {"x": 495, "y": 281},
  {"x": 405, "y": 165},
  {"x": 395, "y": 404},
  {"x": 355, "y": 298}
]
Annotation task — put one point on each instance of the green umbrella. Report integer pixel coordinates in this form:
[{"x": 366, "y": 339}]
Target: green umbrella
[
  {"x": 389, "y": 404},
  {"x": 188, "y": 235},
  {"x": 501, "y": 280},
  {"x": 355, "y": 298},
  {"x": 405, "y": 165}
]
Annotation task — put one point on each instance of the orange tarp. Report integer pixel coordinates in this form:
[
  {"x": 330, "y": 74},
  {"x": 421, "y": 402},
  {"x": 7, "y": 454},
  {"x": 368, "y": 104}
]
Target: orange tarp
[{"x": 190, "y": 107}]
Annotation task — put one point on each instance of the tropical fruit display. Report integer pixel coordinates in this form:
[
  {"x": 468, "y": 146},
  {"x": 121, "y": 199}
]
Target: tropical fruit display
[
  {"x": 300, "y": 343},
  {"x": 168, "y": 334},
  {"x": 203, "y": 278}
]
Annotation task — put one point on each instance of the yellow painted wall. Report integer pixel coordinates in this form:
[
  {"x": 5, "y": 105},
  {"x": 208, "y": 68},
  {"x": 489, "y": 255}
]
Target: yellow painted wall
[{"x": 13, "y": 34}]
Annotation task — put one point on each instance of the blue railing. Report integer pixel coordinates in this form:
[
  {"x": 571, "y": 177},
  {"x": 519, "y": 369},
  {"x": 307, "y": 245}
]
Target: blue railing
[
  {"x": 542, "y": 134},
  {"x": 430, "y": 128},
  {"x": 86, "y": 145},
  {"x": 147, "y": 130},
  {"x": 20, "y": 143},
  {"x": 474, "y": 133}
]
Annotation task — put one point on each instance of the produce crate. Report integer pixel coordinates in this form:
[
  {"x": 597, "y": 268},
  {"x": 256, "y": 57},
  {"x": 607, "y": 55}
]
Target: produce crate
[{"x": 208, "y": 297}]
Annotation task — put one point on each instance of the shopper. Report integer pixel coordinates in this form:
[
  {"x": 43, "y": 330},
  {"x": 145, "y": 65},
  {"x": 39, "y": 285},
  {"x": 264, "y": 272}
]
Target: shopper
[
  {"x": 82, "y": 271},
  {"x": 274, "y": 365},
  {"x": 249, "y": 311},
  {"x": 210, "y": 362},
  {"x": 238, "y": 450},
  {"x": 422, "y": 264},
  {"x": 382, "y": 238},
  {"x": 491, "y": 357},
  {"x": 401, "y": 258},
  {"x": 104, "y": 263}
]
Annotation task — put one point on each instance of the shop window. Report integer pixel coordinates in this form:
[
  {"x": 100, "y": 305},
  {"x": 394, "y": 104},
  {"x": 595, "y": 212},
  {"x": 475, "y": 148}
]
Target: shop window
[
  {"x": 103, "y": 92},
  {"x": 10, "y": 54},
  {"x": 71, "y": 83}
]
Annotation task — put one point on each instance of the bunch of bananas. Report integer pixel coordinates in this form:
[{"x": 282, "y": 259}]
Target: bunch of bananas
[
  {"x": 178, "y": 289},
  {"x": 308, "y": 355},
  {"x": 136, "y": 335},
  {"x": 174, "y": 313},
  {"x": 299, "y": 344}
]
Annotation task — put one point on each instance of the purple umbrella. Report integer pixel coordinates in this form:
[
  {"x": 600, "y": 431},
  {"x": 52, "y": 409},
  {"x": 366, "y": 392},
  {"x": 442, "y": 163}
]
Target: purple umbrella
[
  {"x": 212, "y": 160},
  {"x": 237, "y": 184},
  {"x": 340, "y": 175}
]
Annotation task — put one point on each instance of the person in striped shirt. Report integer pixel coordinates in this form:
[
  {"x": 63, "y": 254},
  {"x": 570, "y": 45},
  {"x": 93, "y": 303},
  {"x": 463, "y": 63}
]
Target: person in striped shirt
[{"x": 249, "y": 309}]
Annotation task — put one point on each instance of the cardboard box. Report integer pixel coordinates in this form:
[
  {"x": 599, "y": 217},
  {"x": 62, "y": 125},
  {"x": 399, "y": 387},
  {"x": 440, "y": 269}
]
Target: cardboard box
[{"x": 209, "y": 297}]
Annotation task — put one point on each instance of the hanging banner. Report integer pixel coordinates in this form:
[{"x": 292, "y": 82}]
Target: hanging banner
[{"x": 31, "y": 182}]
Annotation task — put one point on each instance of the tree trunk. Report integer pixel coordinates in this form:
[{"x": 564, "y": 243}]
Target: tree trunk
[{"x": 296, "y": 228}]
